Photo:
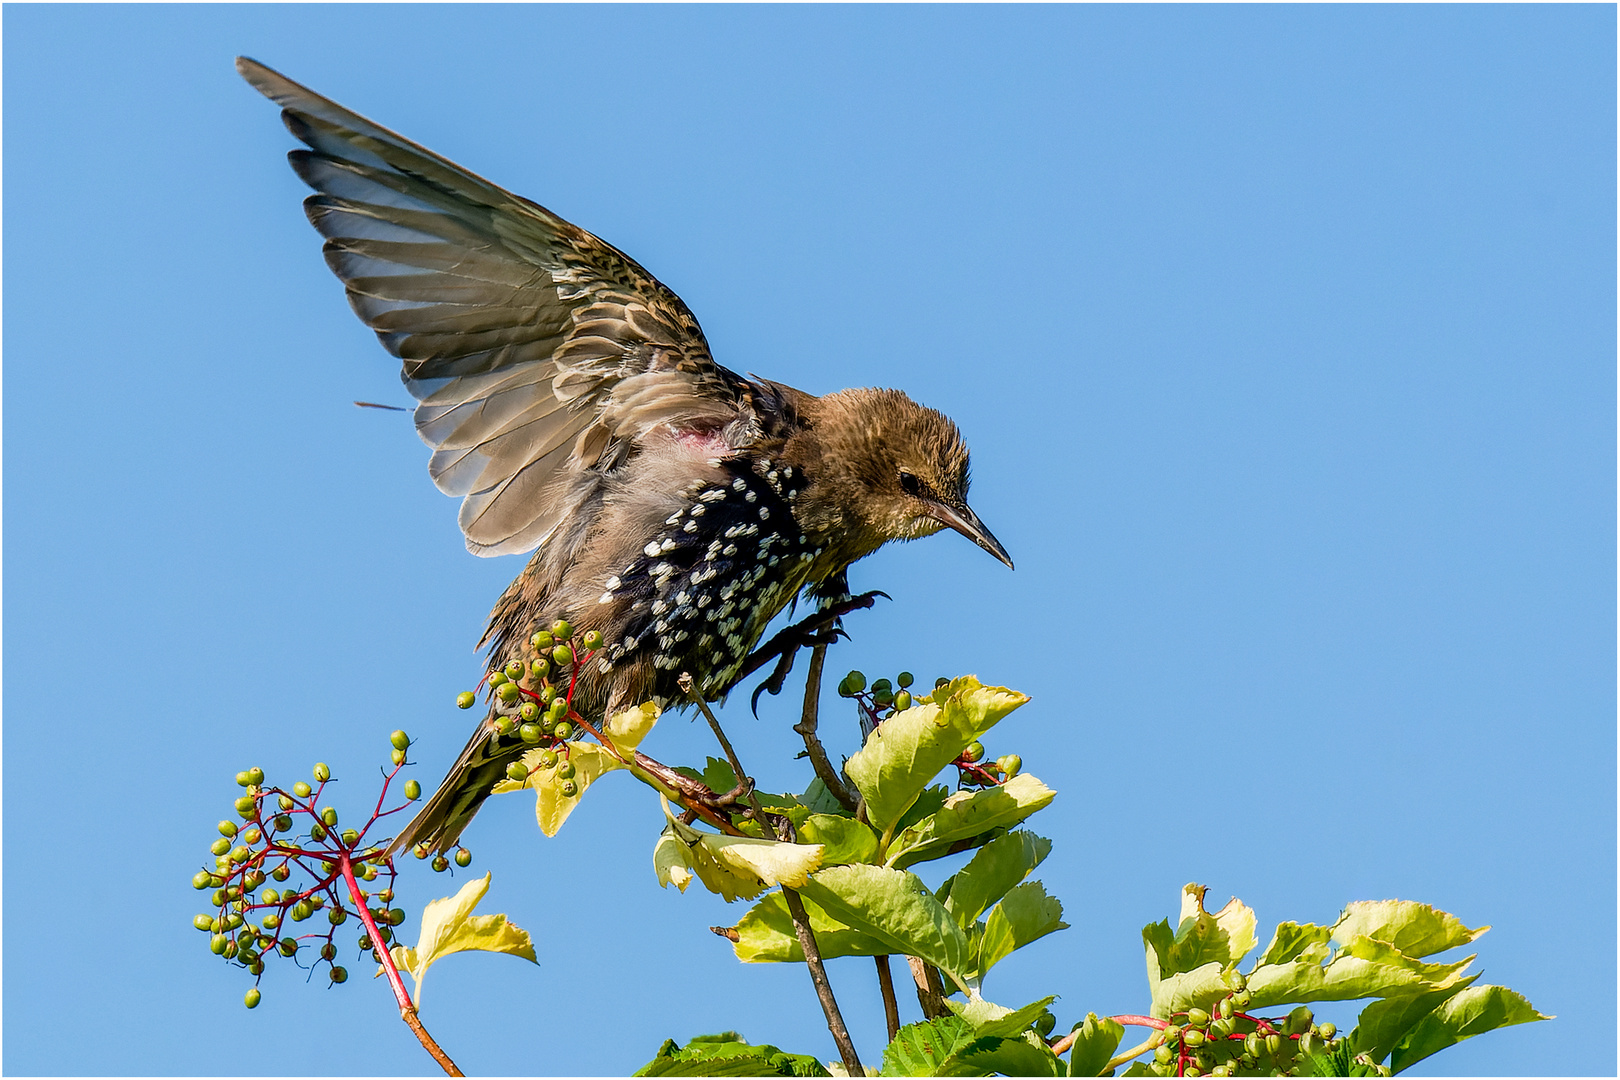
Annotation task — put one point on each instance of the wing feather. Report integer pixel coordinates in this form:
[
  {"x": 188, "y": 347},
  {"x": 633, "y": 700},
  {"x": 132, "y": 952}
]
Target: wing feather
[{"x": 517, "y": 329}]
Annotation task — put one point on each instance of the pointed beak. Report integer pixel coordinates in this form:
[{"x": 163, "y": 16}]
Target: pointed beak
[{"x": 965, "y": 521}]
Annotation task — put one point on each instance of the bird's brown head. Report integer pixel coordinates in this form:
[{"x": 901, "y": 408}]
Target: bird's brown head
[{"x": 887, "y": 469}]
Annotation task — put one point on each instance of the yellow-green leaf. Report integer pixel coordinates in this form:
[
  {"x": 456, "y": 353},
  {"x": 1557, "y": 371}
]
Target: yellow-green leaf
[
  {"x": 732, "y": 866},
  {"x": 591, "y": 762},
  {"x": 968, "y": 814},
  {"x": 449, "y": 926}
]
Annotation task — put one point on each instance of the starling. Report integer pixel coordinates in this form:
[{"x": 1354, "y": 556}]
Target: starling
[{"x": 571, "y": 401}]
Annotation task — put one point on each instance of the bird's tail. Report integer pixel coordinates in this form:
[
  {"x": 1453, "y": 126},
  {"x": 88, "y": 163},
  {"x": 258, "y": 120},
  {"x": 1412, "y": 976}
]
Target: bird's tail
[{"x": 462, "y": 791}]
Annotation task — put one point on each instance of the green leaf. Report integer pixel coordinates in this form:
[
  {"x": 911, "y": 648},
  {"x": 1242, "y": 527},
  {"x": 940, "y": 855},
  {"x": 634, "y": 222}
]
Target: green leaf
[
  {"x": 995, "y": 868},
  {"x": 894, "y": 907},
  {"x": 1380, "y": 952},
  {"x": 1415, "y": 929},
  {"x": 1004, "y": 1057},
  {"x": 727, "y": 1054},
  {"x": 1185, "y": 989},
  {"x": 819, "y": 800},
  {"x": 1094, "y": 1044},
  {"x": 969, "y": 814},
  {"x": 1475, "y": 1011},
  {"x": 1024, "y": 914},
  {"x": 909, "y": 749},
  {"x": 1386, "y": 1021},
  {"x": 928, "y": 803},
  {"x": 922, "y": 1049},
  {"x": 1224, "y": 937},
  {"x": 765, "y": 935},
  {"x": 449, "y": 926},
  {"x": 992, "y": 1020},
  {"x": 732, "y": 866},
  {"x": 843, "y": 839},
  {"x": 1343, "y": 978},
  {"x": 1297, "y": 941}
]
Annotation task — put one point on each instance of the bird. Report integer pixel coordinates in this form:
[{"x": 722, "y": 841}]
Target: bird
[{"x": 571, "y": 401}]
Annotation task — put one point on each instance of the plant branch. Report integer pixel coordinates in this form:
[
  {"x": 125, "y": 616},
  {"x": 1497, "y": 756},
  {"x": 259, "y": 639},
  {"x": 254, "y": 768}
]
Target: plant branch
[
  {"x": 891, "y": 1009},
  {"x": 930, "y": 988},
  {"x": 743, "y": 778},
  {"x": 407, "y": 1008},
  {"x": 1152, "y": 1043},
  {"x": 807, "y": 728},
  {"x": 818, "y": 976}
]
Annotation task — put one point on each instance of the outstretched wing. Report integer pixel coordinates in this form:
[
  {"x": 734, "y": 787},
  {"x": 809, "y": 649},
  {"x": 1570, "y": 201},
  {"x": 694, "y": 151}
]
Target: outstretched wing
[{"x": 538, "y": 354}]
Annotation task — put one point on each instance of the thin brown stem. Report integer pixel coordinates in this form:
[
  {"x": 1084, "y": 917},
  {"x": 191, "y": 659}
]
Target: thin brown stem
[
  {"x": 807, "y": 728},
  {"x": 930, "y": 988},
  {"x": 818, "y": 976},
  {"x": 743, "y": 778},
  {"x": 891, "y": 1008}
]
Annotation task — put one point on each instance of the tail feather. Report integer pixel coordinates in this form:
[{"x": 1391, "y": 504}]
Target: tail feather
[{"x": 462, "y": 791}]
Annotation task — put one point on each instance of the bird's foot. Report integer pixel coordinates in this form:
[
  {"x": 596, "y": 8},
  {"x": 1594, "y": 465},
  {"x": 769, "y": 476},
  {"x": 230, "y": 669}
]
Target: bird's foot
[{"x": 819, "y": 629}]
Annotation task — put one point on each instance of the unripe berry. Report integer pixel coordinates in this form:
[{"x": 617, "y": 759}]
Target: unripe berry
[
  {"x": 396, "y": 916},
  {"x": 203, "y": 922},
  {"x": 517, "y": 772},
  {"x": 339, "y": 974},
  {"x": 562, "y": 656},
  {"x": 1328, "y": 1030},
  {"x": 902, "y": 701},
  {"x": 531, "y": 734},
  {"x": 565, "y": 770},
  {"x": 1298, "y": 1021},
  {"x": 541, "y": 640},
  {"x": 1164, "y": 1055},
  {"x": 539, "y": 668},
  {"x": 242, "y": 778},
  {"x": 466, "y": 699},
  {"x": 227, "y": 828},
  {"x": 302, "y": 790},
  {"x": 328, "y": 951},
  {"x": 856, "y": 681},
  {"x": 1193, "y": 1037},
  {"x": 463, "y": 857},
  {"x": 350, "y": 837},
  {"x": 329, "y": 816},
  {"x": 1010, "y": 765},
  {"x": 421, "y": 851},
  {"x": 200, "y": 880},
  {"x": 252, "y": 836},
  {"x": 317, "y": 832},
  {"x": 413, "y": 790},
  {"x": 529, "y": 712},
  {"x": 973, "y": 753},
  {"x": 562, "y": 729},
  {"x": 904, "y": 679},
  {"x": 397, "y": 756},
  {"x": 288, "y": 946},
  {"x": 568, "y": 789},
  {"x": 561, "y": 630},
  {"x": 508, "y": 693},
  {"x": 321, "y": 772},
  {"x": 281, "y": 873},
  {"x": 220, "y": 846},
  {"x": 217, "y": 944},
  {"x": 440, "y": 863}
]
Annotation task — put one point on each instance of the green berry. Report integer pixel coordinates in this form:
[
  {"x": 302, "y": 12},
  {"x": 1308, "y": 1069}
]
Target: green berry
[
  {"x": 440, "y": 863},
  {"x": 557, "y": 710},
  {"x": 592, "y": 640},
  {"x": 1220, "y": 1028},
  {"x": 508, "y": 693},
  {"x": 321, "y": 772},
  {"x": 421, "y": 851},
  {"x": 302, "y": 910},
  {"x": 883, "y": 696},
  {"x": 1195, "y": 1017},
  {"x": 350, "y": 837},
  {"x": 517, "y": 772},
  {"x": 217, "y": 943},
  {"x": 302, "y": 790},
  {"x": 565, "y": 770},
  {"x": 973, "y": 753},
  {"x": 902, "y": 701},
  {"x": 399, "y": 740},
  {"x": 270, "y": 896},
  {"x": 515, "y": 669},
  {"x": 227, "y": 828},
  {"x": 1241, "y": 999},
  {"x": 220, "y": 846},
  {"x": 328, "y": 951},
  {"x": 1010, "y": 766},
  {"x": 1299, "y": 1021},
  {"x": 329, "y": 816},
  {"x": 281, "y": 873},
  {"x": 203, "y": 922},
  {"x": 1193, "y": 1037},
  {"x": 496, "y": 678},
  {"x": 563, "y": 729},
  {"x": 413, "y": 790},
  {"x": 1172, "y": 1033},
  {"x": 882, "y": 685},
  {"x": 562, "y": 656},
  {"x": 541, "y": 640},
  {"x": 1254, "y": 1044},
  {"x": 396, "y": 916},
  {"x": 548, "y": 694},
  {"x": 531, "y": 734},
  {"x": 1328, "y": 1030},
  {"x": 548, "y": 759},
  {"x": 1274, "y": 1043},
  {"x": 540, "y": 668},
  {"x": 463, "y": 857},
  {"x": 529, "y": 712},
  {"x": 1164, "y": 1055},
  {"x": 255, "y": 775},
  {"x": 856, "y": 681},
  {"x": 200, "y": 879},
  {"x": 397, "y": 757},
  {"x": 561, "y": 630},
  {"x": 242, "y": 778},
  {"x": 252, "y": 836},
  {"x": 283, "y": 822},
  {"x": 337, "y": 916},
  {"x": 568, "y": 789},
  {"x": 339, "y": 974},
  {"x": 466, "y": 699},
  {"x": 504, "y": 725},
  {"x": 239, "y": 854}
]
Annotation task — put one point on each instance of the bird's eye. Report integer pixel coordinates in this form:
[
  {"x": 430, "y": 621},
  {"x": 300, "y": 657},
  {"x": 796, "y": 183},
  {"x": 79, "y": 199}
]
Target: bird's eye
[{"x": 910, "y": 484}]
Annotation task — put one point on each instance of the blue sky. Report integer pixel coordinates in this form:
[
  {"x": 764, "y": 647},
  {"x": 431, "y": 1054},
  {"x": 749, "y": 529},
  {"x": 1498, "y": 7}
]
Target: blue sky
[{"x": 1283, "y": 338}]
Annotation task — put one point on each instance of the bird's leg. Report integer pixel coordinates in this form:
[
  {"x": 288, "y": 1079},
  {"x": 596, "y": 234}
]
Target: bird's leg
[{"x": 818, "y": 629}]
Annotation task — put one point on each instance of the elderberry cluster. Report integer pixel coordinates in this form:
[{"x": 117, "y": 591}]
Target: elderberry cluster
[
  {"x": 532, "y": 702},
  {"x": 883, "y": 700},
  {"x": 293, "y": 839},
  {"x": 1231, "y": 1042}
]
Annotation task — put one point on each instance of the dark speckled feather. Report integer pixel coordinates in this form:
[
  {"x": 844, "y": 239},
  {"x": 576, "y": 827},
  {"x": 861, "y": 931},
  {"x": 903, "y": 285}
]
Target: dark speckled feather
[{"x": 571, "y": 401}]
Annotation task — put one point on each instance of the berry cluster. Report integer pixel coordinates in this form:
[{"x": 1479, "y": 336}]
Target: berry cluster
[
  {"x": 883, "y": 700},
  {"x": 292, "y": 838},
  {"x": 533, "y": 704},
  {"x": 1231, "y": 1042}
]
